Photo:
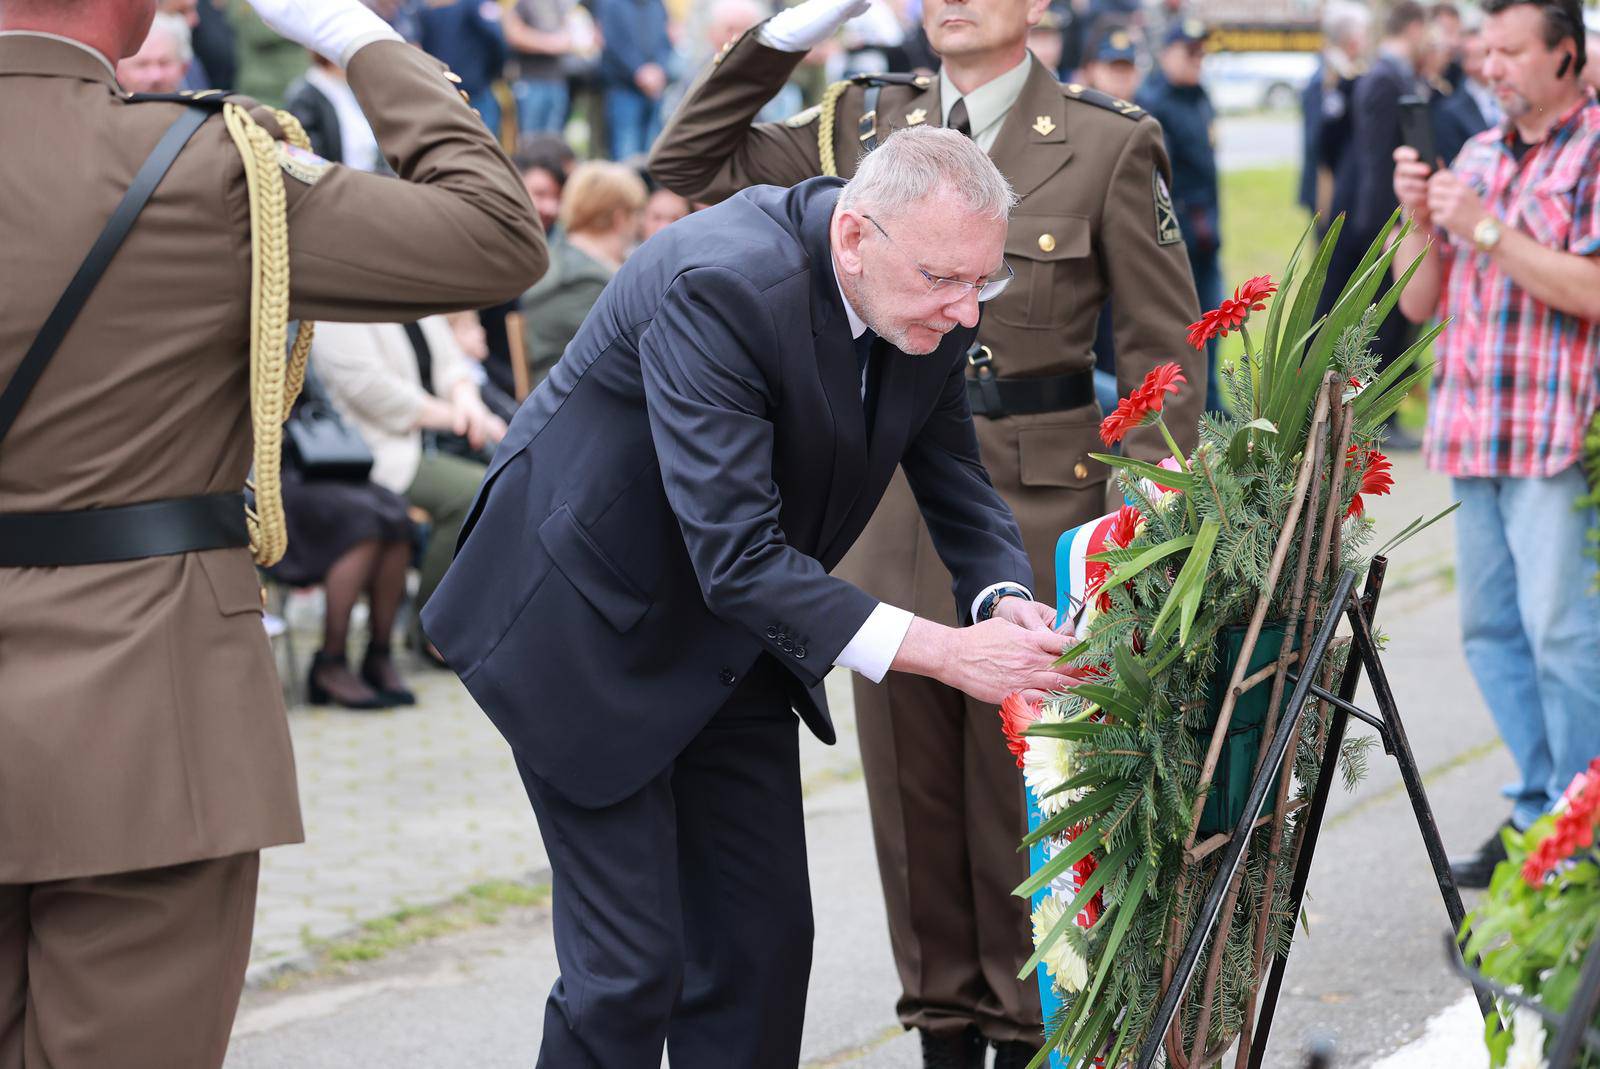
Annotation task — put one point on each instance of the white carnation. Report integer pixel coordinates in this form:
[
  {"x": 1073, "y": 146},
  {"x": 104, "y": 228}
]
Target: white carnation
[
  {"x": 1065, "y": 966},
  {"x": 1527, "y": 1040},
  {"x": 1047, "y": 764}
]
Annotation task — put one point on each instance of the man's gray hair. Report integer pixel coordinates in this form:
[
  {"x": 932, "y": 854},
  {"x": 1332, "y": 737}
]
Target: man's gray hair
[
  {"x": 1343, "y": 19},
  {"x": 921, "y": 161},
  {"x": 176, "y": 28}
]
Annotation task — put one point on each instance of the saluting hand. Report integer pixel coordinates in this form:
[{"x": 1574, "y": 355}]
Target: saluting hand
[
  {"x": 805, "y": 26},
  {"x": 335, "y": 29}
]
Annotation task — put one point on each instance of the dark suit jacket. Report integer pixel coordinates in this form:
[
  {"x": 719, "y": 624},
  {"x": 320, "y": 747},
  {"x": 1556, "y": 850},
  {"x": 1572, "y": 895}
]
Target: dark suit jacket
[
  {"x": 668, "y": 503},
  {"x": 1364, "y": 187},
  {"x": 1456, "y": 120}
]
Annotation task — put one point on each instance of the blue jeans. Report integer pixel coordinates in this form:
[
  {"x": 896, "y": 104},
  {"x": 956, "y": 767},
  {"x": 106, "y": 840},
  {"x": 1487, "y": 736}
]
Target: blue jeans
[
  {"x": 541, "y": 105},
  {"x": 633, "y": 120},
  {"x": 1530, "y": 622},
  {"x": 488, "y": 106}
]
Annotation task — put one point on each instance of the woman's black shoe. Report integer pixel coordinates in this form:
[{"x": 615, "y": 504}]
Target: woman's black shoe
[
  {"x": 964, "y": 1050},
  {"x": 1473, "y": 871},
  {"x": 379, "y": 673},
  {"x": 349, "y": 692}
]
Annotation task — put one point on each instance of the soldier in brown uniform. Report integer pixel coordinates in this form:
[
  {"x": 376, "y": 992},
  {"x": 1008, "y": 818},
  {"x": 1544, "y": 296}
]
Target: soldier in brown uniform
[
  {"x": 144, "y": 752},
  {"x": 1095, "y": 220}
]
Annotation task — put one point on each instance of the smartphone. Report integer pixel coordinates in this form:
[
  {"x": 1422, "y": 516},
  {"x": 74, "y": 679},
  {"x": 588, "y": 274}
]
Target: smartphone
[{"x": 1416, "y": 128}]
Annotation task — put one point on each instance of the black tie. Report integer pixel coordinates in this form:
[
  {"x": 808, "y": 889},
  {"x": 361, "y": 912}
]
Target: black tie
[
  {"x": 864, "y": 346},
  {"x": 958, "y": 119}
]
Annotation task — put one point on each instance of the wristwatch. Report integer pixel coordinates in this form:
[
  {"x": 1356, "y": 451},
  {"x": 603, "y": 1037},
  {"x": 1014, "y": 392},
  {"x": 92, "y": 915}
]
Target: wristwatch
[
  {"x": 986, "y": 607},
  {"x": 1486, "y": 235}
]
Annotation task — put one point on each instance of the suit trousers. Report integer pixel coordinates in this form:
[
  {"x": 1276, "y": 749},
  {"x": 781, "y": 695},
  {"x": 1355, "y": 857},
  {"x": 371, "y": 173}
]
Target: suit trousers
[
  {"x": 682, "y": 914},
  {"x": 948, "y": 811},
  {"x": 138, "y": 970}
]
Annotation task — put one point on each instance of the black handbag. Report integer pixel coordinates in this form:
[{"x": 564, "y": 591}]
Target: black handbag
[{"x": 320, "y": 444}]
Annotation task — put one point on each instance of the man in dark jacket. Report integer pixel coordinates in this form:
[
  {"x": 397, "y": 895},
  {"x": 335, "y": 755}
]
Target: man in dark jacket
[
  {"x": 1468, "y": 111},
  {"x": 466, "y": 34},
  {"x": 641, "y": 618},
  {"x": 1326, "y": 105},
  {"x": 633, "y": 71}
]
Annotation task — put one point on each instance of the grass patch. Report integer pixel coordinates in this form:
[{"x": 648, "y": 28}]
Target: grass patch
[{"x": 480, "y": 905}]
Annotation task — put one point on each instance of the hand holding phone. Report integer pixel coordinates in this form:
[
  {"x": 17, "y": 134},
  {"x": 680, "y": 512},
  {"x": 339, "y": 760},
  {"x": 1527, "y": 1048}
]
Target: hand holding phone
[{"x": 1416, "y": 129}]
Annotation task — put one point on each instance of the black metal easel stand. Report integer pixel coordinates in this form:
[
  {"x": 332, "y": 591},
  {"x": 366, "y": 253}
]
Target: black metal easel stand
[{"x": 1391, "y": 731}]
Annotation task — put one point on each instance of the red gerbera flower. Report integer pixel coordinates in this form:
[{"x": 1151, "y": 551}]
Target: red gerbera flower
[
  {"x": 1574, "y": 830},
  {"x": 1230, "y": 315},
  {"x": 1016, "y": 715},
  {"x": 1124, "y": 527},
  {"x": 1376, "y": 478},
  {"x": 1143, "y": 405}
]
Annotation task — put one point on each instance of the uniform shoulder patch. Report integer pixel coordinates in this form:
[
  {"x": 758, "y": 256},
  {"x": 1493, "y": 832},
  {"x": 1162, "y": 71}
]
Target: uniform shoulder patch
[
  {"x": 913, "y": 81},
  {"x": 803, "y": 118},
  {"x": 210, "y": 98},
  {"x": 1077, "y": 91},
  {"x": 301, "y": 164},
  {"x": 1167, "y": 230}
]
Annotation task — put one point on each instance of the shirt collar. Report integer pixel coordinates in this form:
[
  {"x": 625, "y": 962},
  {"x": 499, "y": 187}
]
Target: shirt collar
[
  {"x": 987, "y": 104},
  {"x": 858, "y": 326},
  {"x": 95, "y": 52}
]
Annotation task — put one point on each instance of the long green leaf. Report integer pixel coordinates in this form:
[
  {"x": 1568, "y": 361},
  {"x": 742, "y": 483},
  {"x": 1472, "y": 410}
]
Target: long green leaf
[
  {"x": 1413, "y": 530},
  {"x": 1147, "y": 557},
  {"x": 1271, "y": 341},
  {"x": 1090, "y": 805},
  {"x": 1072, "y": 732},
  {"x": 1131, "y": 672},
  {"x": 1128, "y": 906},
  {"x": 1113, "y": 698},
  {"x": 1192, "y": 574},
  {"x": 1096, "y": 880},
  {"x": 1178, "y": 480},
  {"x": 1297, "y": 328},
  {"x": 1073, "y": 654},
  {"x": 1392, "y": 297},
  {"x": 1081, "y": 848},
  {"x": 1191, "y": 598}
]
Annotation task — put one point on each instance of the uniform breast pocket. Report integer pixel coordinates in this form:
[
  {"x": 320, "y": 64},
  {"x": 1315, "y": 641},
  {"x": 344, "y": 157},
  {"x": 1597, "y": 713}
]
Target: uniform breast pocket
[{"x": 1050, "y": 255}]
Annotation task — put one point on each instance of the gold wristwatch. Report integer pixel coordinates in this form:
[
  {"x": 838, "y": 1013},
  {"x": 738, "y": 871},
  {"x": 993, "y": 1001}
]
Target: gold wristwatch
[{"x": 1486, "y": 235}]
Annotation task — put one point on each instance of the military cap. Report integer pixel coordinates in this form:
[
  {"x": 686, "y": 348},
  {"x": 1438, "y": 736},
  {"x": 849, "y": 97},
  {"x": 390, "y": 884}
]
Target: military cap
[
  {"x": 1188, "y": 31},
  {"x": 1116, "y": 47}
]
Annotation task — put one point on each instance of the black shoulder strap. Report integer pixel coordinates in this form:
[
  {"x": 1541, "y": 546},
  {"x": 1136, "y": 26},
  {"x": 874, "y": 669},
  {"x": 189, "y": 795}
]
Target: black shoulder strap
[{"x": 94, "y": 265}]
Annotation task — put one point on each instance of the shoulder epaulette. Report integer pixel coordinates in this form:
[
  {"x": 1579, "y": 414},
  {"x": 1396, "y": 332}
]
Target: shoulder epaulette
[
  {"x": 211, "y": 98},
  {"x": 1076, "y": 91},
  {"x": 911, "y": 81}
]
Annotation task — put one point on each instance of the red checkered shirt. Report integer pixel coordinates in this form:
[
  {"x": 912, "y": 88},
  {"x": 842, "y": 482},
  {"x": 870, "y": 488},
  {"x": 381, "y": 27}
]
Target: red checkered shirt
[{"x": 1514, "y": 383}]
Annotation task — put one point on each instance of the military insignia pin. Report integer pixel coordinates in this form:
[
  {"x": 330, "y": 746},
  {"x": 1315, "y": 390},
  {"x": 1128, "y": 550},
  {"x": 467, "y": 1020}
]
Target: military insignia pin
[
  {"x": 1043, "y": 126},
  {"x": 916, "y": 117},
  {"x": 1167, "y": 230},
  {"x": 301, "y": 163}
]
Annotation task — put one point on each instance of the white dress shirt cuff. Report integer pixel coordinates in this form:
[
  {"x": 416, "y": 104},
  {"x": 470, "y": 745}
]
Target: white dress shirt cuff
[
  {"x": 872, "y": 650},
  {"x": 986, "y": 591}
]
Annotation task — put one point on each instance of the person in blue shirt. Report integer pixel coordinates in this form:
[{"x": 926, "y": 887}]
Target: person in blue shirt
[
  {"x": 466, "y": 36},
  {"x": 1174, "y": 95},
  {"x": 633, "y": 71}
]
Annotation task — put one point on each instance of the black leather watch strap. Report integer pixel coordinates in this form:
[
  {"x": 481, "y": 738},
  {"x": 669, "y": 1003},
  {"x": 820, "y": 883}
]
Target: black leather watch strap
[{"x": 986, "y": 607}]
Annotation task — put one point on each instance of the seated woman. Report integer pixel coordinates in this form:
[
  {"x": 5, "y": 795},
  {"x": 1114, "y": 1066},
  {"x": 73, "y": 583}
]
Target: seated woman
[
  {"x": 354, "y": 538},
  {"x": 601, "y": 207},
  {"x": 393, "y": 382}
]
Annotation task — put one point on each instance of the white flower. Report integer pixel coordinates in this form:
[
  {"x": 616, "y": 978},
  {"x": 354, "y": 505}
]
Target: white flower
[
  {"x": 1047, "y": 764},
  {"x": 1065, "y": 966},
  {"x": 1527, "y": 1040}
]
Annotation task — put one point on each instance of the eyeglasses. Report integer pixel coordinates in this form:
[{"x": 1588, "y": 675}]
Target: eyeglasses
[{"x": 987, "y": 290}]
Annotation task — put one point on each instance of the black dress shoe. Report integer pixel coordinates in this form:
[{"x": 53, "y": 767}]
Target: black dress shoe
[
  {"x": 378, "y": 672},
  {"x": 329, "y": 682},
  {"x": 1473, "y": 871},
  {"x": 1014, "y": 1054},
  {"x": 965, "y": 1050}
]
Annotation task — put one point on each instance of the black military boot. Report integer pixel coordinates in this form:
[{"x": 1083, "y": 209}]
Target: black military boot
[
  {"x": 1014, "y": 1054},
  {"x": 1473, "y": 871},
  {"x": 965, "y": 1050}
]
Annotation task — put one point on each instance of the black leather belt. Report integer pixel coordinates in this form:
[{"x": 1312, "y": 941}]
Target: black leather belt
[
  {"x": 995, "y": 397},
  {"x": 128, "y": 532}
]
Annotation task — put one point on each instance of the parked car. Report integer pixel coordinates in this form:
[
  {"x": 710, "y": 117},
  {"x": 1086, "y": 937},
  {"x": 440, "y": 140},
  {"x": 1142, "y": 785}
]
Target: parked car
[{"x": 1258, "y": 81}]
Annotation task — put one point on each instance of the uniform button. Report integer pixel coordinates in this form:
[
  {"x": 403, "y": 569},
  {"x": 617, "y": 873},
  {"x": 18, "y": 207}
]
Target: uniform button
[
  {"x": 453, "y": 76},
  {"x": 772, "y": 632},
  {"x": 263, "y": 597},
  {"x": 1081, "y": 470},
  {"x": 786, "y": 646},
  {"x": 1047, "y": 242},
  {"x": 727, "y": 677},
  {"x": 799, "y": 653}
]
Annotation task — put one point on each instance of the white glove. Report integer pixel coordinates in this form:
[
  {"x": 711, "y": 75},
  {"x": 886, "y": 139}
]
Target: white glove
[
  {"x": 805, "y": 26},
  {"x": 332, "y": 28}
]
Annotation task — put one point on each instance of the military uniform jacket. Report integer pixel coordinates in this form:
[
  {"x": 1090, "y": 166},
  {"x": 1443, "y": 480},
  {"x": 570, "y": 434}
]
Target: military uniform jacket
[
  {"x": 1095, "y": 220},
  {"x": 141, "y": 720}
]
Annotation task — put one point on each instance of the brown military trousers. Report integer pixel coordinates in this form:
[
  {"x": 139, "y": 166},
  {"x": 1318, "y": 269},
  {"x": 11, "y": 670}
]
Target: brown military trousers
[
  {"x": 948, "y": 811},
  {"x": 138, "y": 970}
]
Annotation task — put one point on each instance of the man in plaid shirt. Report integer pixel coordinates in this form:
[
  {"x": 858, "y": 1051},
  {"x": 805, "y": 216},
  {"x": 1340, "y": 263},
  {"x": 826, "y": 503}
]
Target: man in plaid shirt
[{"x": 1515, "y": 226}]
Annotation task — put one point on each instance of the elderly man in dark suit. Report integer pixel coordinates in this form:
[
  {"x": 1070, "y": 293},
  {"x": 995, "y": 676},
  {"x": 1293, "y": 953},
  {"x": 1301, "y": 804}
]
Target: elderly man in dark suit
[
  {"x": 642, "y": 596},
  {"x": 1471, "y": 109}
]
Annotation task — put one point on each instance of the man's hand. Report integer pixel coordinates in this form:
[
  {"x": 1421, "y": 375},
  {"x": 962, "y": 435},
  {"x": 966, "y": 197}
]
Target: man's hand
[
  {"x": 651, "y": 80},
  {"x": 473, "y": 420},
  {"x": 335, "y": 29},
  {"x": 1454, "y": 204},
  {"x": 804, "y": 26},
  {"x": 1030, "y": 615},
  {"x": 998, "y": 657},
  {"x": 1411, "y": 184}
]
